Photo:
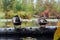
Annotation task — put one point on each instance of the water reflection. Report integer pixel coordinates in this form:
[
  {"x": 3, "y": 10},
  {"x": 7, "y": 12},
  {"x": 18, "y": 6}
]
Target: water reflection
[
  {"x": 29, "y": 38},
  {"x": 14, "y": 39},
  {"x": 11, "y": 38}
]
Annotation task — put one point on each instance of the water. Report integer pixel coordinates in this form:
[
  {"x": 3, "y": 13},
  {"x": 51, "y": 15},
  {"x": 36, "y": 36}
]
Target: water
[
  {"x": 16, "y": 39},
  {"x": 28, "y": 38},
  {"x": 10, "y": 38}
]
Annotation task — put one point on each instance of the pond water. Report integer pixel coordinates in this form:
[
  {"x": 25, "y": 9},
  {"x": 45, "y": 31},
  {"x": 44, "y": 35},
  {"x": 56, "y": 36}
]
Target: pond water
[{"x": 42, "y": 38}]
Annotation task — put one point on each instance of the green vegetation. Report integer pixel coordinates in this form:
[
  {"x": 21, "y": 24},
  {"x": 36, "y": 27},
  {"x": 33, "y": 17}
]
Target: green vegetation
[{"x": 27, "y": 8}]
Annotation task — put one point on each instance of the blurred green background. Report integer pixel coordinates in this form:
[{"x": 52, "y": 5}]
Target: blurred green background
[{"x": 26, "y": 9}]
